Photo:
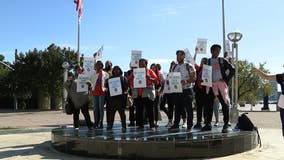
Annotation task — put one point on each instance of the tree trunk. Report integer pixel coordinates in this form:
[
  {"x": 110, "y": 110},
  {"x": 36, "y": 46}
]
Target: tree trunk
[
  {"x": 56, "y": 103},
  {"x": 265, "y": 103},
  {"x": 43, "y": 101}
]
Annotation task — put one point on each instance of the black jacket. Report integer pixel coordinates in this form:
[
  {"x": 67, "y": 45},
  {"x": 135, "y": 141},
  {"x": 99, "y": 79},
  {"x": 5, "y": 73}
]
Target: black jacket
[{"x": 227, "y": 69}]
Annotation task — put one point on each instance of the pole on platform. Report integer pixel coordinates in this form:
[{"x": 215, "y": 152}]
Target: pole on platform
[
  {"x": 224, "y": 30},
  {"x": 78, "y": 44},
  {"x": 236, "y": 75},
  {"x": 233, "y": 79},
  {"x": 65, "y": 66},
  {"x": 235, "y": 37}
]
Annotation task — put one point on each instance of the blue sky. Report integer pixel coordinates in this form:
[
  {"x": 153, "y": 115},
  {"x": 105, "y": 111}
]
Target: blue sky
[{"x": 157, "y": 27}]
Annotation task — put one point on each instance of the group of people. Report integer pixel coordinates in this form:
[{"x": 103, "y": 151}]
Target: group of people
[{"x": 149, "y": 101}]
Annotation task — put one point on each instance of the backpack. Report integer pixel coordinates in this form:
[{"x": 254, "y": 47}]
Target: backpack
[
  {"x": 245, "y": 124},
  {"x": 224, "y": 66},
  {"x": 69, "y": 106},
  {"x": 186, "y": 64}
]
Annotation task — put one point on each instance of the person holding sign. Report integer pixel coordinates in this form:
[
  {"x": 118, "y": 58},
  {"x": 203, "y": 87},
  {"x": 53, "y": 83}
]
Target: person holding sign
[
  {"x": 184, "y": 99},
  {"x": 279, "y": 78},
  {"x": 131, "y": 107},
  {"x": 117, "y": 88},
  {"x": 200, "y": 93},
  {"x": 222, "y": 72},
  {"x": 144, "y": 97},
  {"x": 108, "y": 69},
  {"x": 158, "y": 88},
  {"x": 98, "y": 91},
  {"x": 79, "y": 99}
]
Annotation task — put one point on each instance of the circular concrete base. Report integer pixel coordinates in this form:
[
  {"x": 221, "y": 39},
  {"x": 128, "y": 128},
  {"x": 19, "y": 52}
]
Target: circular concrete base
[{"x": 153, "y": 144}]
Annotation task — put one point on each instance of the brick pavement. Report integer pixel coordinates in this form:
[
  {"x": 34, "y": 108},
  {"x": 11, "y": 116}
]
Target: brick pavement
[{"x": 35, "y": 119}]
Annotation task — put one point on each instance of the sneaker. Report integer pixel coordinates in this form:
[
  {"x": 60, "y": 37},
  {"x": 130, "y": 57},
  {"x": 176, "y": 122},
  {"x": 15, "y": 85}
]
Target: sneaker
[
  {"x": 225, "y": 128},
  {"x": 184, "y": 125},
  {"x": 131, "y": 124},
  {"x": 101, "y": 126},
  {"x": 155, "y": 125},
  {"x": 189, "y": 129},
  {"x": 216, "y": 124},
  {"x": 229, "y": 124},
  {"x": 207, "y": 127},
  {"x": 169, "y": 124},
  {"x": 95, "y": 126},
  {"x": 197, "y": 126}
]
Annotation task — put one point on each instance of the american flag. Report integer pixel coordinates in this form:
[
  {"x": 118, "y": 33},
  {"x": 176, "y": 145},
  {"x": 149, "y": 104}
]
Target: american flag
[{"x": 79, "y": 8}]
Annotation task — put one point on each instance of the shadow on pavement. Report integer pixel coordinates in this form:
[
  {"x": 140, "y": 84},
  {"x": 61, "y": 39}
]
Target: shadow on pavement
[{"x": 37, "y": 151}]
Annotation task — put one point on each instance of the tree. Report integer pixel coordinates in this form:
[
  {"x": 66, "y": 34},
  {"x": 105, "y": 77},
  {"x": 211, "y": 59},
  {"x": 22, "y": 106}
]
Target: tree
[
  {"x": 5, "y": 85},
  {"x": 265, "y": 87},
  {"x": 247, "y": 80},
  {"x": 39, "y": 75}
]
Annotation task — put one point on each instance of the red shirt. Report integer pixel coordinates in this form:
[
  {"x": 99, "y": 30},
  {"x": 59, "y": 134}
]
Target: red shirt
[{"x": 98, "y": 87}]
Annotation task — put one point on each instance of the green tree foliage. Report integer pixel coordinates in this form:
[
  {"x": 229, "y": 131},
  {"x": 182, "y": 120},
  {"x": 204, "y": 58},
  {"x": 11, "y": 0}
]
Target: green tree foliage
[
  {"x": 5, "y": 72},
  {"x": 248, "y": 81},
  {"x": 40, "y": 73}
]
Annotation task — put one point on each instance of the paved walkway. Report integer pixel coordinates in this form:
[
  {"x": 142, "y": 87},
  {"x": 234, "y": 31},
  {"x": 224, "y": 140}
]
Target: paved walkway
[{"x": 32, "y": 138}]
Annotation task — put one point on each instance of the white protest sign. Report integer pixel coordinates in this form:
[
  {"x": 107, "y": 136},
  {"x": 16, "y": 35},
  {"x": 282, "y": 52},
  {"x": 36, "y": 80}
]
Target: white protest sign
[
  {"x": 82, "y": 83},
  {"x": 188, "y": 57},
  {"x": 88, "y": 64},
  {"x": 167, "y": 86},
  {"x": 201, "y": 46},
  {"x": 207, "y": 75},
  {"x": 175, "y": 82},
  {"x": 135, "y": 56},
  {"x": 139, "y": 77},
  {"x": 115, "y": 86}
]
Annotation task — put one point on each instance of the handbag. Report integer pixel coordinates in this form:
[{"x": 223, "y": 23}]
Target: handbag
[{"x": 69, "y": 106}]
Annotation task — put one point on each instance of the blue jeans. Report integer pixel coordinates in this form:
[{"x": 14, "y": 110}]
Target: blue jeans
[
  {"x": 282, "y": 119},
  {"x": 99, "y": 108},
  {"x": 216, "y": 106}
]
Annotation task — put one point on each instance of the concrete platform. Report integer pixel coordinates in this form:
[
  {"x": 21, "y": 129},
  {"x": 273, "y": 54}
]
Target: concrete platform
[{"x": 152, "y": 144}]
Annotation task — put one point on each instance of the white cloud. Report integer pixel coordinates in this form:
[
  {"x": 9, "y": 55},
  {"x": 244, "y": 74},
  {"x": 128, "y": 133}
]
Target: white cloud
[{"x": 168, "y": 11}]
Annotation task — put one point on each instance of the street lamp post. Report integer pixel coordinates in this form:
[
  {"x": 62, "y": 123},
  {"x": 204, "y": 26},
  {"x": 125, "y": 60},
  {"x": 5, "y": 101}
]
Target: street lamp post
[
  {"x": 235, "y": 37},
  {"x": 66, "y": 66}
]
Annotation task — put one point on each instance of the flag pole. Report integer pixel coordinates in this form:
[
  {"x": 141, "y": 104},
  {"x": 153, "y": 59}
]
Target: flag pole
[{"x": 78, "y": 45}]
